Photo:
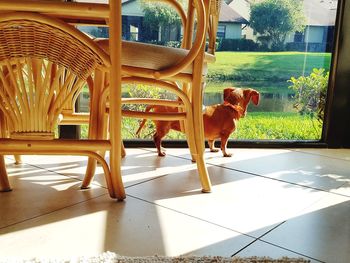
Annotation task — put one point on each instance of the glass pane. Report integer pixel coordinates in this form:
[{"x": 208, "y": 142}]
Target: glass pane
[
  {"x": 288, "y": 66},
  {"x": 282, "y": 49}
]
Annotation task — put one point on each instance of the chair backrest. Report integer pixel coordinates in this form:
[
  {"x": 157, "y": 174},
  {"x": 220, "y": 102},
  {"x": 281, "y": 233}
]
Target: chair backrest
[{"x": 43, "y": 65}]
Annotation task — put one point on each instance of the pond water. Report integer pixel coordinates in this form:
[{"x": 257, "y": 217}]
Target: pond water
[{"x": 269, "y": 102}]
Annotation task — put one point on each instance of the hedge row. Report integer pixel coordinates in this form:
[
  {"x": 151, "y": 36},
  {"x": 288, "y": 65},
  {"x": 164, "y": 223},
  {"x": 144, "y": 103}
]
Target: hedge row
[{"x": 250, "y": 45}]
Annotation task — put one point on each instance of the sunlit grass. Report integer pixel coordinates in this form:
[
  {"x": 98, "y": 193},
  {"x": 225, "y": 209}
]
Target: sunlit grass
[
  {"x": 277, "y": 126},
  {"x": 255, "y": 126}
]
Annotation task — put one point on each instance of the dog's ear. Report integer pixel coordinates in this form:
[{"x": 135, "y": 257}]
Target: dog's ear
[
  {"x": 227, "y": 93},
  {"x": 253, "y": 95}
]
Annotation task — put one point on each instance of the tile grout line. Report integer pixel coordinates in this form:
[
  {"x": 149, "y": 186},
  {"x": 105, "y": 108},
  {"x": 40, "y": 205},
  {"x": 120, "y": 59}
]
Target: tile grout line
[
  {"x": 146, "y": 181},
  {"x": 51, "y": 212},
  {"x": 95, "y": 184},
  {"x": 65, "y": 175},
  {"x": 257, "y": 239}
]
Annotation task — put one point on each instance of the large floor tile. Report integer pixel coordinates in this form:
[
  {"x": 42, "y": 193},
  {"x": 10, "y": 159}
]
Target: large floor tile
[
  {"x": 138, "y": 166},
  {"x": 70, "y": 166},
  {"x": 311, "y": 170},
  {"x": 322, "y": 231},
  {"x": 244, "y": 203},
  {"x": 37, "y": 192},
  {"x": 343, "y": 190},
  {"x": 343, "y": 154},
  {"x": 133, "y": 228}
]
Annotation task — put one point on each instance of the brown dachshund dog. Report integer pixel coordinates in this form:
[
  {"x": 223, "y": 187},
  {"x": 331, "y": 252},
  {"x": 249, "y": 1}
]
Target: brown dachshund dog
[{"x": 219, "y": 120}]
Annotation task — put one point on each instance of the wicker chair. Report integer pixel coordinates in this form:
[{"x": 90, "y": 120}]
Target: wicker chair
[
  {"x": 178, "y": 70},
  {"x": 44, "y": 63}
]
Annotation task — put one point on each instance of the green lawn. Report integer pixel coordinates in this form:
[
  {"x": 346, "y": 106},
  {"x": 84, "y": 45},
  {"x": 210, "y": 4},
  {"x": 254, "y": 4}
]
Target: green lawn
[
  {"x": 264, "y": 71},
  {"x": 279, "y": 63},
  {"x": 277, "y": 125},
  {"x": 255, "y": 126}
]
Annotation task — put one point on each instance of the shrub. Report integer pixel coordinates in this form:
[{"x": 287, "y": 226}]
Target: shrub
[
  {"x": 310, "y": 47},
  {"x": 173, "y": 43},
  {"x": 130, "y": 125},
  {"x": 310, "y": 93},
  {"x": 228, "y": 44}
]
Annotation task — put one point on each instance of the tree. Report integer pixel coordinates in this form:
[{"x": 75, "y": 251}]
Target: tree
[
  {"x": 273, "y": 20},
  {"x": 158, "y": 16}
]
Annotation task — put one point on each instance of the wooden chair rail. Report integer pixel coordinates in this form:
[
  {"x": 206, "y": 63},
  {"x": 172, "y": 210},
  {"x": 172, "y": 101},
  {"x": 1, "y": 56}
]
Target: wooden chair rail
[
  {"x": 162, "y": 102},
  {"x": 56, "y": 8},
  {"x": 154, "y": 115},
  {"x": 64, "y": 147}
]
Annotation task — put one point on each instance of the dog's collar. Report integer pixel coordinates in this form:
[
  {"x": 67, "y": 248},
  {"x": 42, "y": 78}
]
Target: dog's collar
[
  {"x": 235, "y": 108},
  {"x": 229, "y": 105}
]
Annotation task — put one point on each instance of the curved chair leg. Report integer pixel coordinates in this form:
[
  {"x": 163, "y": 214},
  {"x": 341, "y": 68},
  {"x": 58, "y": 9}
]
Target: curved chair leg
[
  {"x": 115, "y": 110},
  {"x": 201, "y": 165},
  {"x": 198, "y": 124},
  {"x": 18, "y": 159},
  {"x": 4, "y": 181},
  {"x": 187, "y": 125},
  {"x": 94, "y": 124},
  {"x": 89, "y": 174},
  {"x": 92, "y": 163},
  {"x": 191, "y": 140},
  {"x": 123, "y": 149},
  {"x": 103, "y": 132}
]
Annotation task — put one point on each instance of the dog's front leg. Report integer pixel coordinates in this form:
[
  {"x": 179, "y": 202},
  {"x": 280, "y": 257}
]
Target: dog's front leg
[
  {"x": 158, "y": 142},
  {"x": 224, "y": 139},
  {"x": 212, "y": 146}
]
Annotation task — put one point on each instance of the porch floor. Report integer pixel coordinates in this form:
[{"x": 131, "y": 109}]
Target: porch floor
[{"x": 264, "y": 202}]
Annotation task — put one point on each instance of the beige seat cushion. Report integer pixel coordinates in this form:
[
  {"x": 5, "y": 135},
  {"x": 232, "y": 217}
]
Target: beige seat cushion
[{"x": 153, "y": 57}]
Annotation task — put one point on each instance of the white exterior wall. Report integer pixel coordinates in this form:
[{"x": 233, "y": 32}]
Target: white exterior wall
[
  {"x": 132, "y": 8},
  {"x": 233, "y": 31},
  {"x": 290, "y": 38},
  {"x": 314, "y": 34},
  {"x": 248, "y": 33},
  {"x": 242, "y": 7}
]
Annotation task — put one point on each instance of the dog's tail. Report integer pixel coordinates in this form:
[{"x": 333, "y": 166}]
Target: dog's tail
[{"x": 148, "y": 108}]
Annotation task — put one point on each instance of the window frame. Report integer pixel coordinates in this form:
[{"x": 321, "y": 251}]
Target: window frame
[{"x": 219, "y": 33}]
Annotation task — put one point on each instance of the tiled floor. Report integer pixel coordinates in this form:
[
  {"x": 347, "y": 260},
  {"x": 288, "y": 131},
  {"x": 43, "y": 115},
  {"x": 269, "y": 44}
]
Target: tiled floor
[{"x": 265, "y": 202}]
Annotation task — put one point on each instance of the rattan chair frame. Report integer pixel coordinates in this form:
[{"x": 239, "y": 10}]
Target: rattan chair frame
[
  {"x": 187, "y": 87},
  {"x": 30, "y": 133}
]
